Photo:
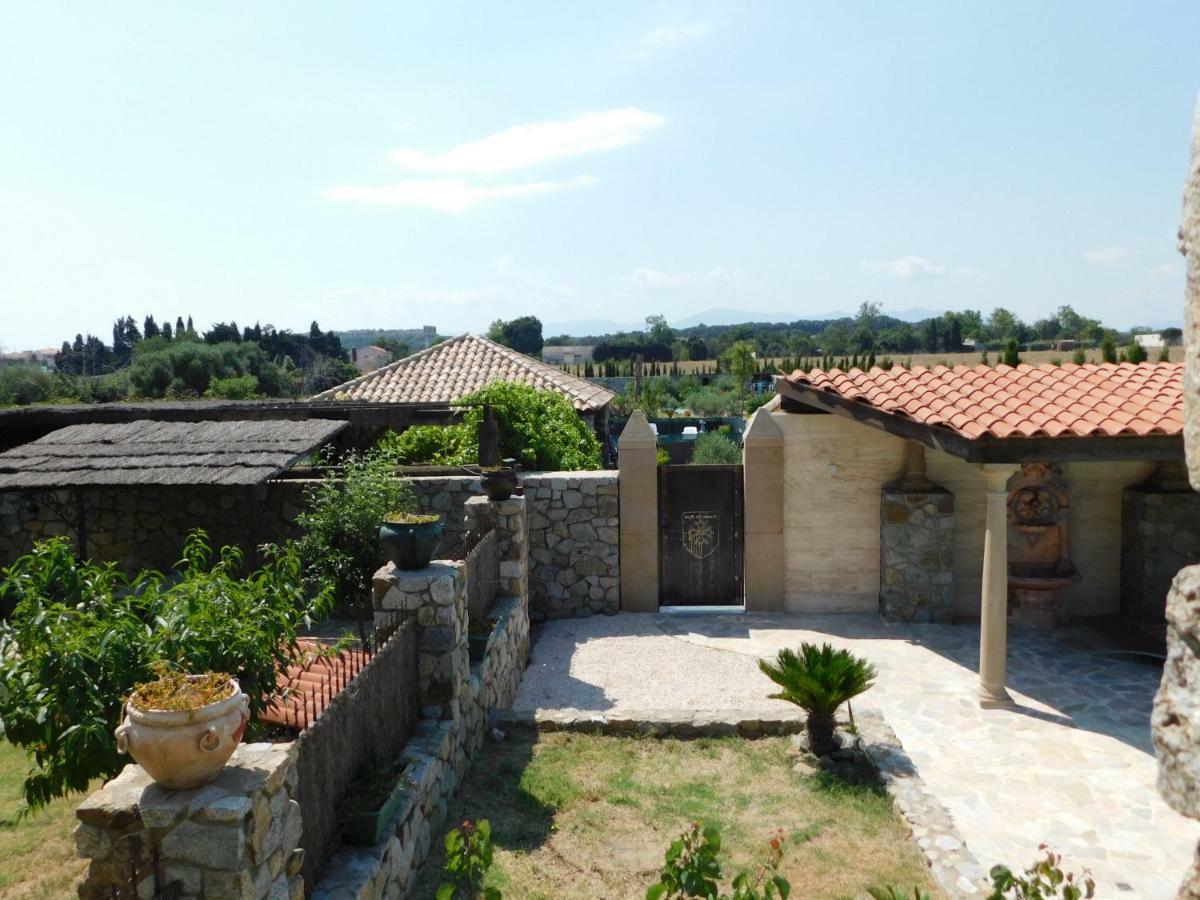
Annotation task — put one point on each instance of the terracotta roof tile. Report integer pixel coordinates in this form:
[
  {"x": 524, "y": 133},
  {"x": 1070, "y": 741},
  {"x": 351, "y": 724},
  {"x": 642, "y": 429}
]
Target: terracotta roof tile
[
  {"x": 1022, "y": 401},
  {"x": 454, "y": 368}
]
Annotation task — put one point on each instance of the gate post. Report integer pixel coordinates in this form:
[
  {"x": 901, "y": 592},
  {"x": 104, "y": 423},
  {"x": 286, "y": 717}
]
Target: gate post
[
  {"x": 637, "y": 481},
  {"x": 762, "y": 461}
]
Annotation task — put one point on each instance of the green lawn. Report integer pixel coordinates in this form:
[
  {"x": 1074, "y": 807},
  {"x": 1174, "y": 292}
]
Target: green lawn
[
  {"x": 37, "y": 852},
  {"x": 588, "y": 816}
]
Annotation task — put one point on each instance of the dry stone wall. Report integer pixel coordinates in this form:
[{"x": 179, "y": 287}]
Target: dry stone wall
[
  {"x": 235, "y": 838},
  {"x": 574, "y": 543},
  {"x": 916, "y": 567}
]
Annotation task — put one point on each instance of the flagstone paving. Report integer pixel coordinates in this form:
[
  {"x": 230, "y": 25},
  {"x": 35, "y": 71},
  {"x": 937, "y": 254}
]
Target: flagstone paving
[{"x": 1071, "y": 765}]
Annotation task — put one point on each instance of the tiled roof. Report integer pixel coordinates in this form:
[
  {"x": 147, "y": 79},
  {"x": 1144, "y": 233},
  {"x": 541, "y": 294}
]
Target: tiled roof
[
  {"x": 304, "y": 690},
  {"x": 1071, "y": 400},
  {"x": 450, "y": 370}
]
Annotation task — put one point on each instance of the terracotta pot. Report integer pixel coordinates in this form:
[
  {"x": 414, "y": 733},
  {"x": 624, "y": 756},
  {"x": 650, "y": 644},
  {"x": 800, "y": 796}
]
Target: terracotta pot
[{"x": 184, "y": 749}]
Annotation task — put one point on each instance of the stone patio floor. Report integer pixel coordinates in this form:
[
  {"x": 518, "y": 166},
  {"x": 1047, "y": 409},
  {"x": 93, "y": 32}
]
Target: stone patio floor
[{"x": 1072, "y": 765}]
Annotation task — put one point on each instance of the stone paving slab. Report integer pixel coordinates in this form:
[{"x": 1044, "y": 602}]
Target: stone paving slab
[{"x": 1071, "y": 765}]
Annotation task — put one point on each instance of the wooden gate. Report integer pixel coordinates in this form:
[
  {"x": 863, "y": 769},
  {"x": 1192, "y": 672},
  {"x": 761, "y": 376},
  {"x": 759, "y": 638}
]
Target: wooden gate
[{"x": 700, "y": 519}]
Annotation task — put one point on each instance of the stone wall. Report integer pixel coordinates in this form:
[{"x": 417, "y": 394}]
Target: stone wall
[
  {"x": 145, "y": 526},
  {"x": 1161, "y": 535},
  {"x": 459, "y": 699},
  {"x": 916, "y": 548},
  {"x": 574, "y": 543},
  {"x": 235, "y": 838}
]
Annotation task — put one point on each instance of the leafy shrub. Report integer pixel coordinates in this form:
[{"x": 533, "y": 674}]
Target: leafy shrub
[
  {"x": 716, "y": 449},
  {"x": 177, "y": 367},
  {"x": 819, "y": 680},
  {"x": 436, "y": 445},
  {"x": 662, "y": 457},
  {"x": 233, "y": 387},
  {"x": 21, "y": 385},
  {"x": 692, "y": 869},
  {"x": 538, "y": 428},
  {"x": 1079, "y": 357},
  {"x": 891, "y": 893},
  {"x": 468, "y": 857},
  {"x": 1043, "y": 880},
  {"x": 1135, "y": 353},
  {"x": 340, "y": 547},
  {"x": 82, "y": 635}
]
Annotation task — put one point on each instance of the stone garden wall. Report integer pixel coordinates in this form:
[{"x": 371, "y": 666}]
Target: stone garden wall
[
  {"x": 1160, "y": 535},
  {"x": 574, "y": 543},
  {"x": 916, "y": 532},
  {"x": 241, "y": 836},
  {"x": 237, "y": 837}
]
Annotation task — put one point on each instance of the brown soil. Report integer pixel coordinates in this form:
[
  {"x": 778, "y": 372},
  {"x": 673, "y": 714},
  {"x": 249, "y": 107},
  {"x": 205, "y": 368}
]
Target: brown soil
[
  {"x": 410, "y": 519},
  {"x": 176, "y": 691}
]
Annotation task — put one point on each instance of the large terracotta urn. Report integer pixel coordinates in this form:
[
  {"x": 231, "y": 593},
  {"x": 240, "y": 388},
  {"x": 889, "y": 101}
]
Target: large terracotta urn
[{"x": 184, "y": 749}]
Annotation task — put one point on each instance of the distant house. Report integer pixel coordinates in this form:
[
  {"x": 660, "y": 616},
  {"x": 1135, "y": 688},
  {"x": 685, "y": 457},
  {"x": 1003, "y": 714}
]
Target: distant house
[
  {"x": 567, "y": 354},
  {"x": 1066, "y": 345},
  {"x": 1152, "y": 341},
  {"x": 43, "y": 359},
  {"x": 368, "y": 359},
  {"x": 454, "y": 368}
]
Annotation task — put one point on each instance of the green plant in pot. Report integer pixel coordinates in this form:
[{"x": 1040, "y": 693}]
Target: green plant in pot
[
  {"x": 410, "y": 539},
  {"x": 819, "y": 680},
  {"x": 479, "y": 632}
]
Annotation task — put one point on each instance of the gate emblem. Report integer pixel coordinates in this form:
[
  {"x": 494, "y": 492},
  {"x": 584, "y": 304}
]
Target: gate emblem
[{"x": 700, "y": 533}]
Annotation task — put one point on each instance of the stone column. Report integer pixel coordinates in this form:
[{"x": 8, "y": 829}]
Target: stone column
[
  {"x": 638, "y": 490},
  {"x": 436, "y": 595},
  {"x": 993, "y": 612},
  {"x": 762, "y": 457},
  {"x": 1175, "y": 720}
]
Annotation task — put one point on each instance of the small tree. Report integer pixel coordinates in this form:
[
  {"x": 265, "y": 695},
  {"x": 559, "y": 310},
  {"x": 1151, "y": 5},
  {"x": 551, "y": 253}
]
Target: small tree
[
  {"x": 1079, "y": 357},
  {"x": 1108, "y": 349},
  {"x": 739, "y": 360},
  {"x": 1135, "y": 353},
  {"x": 715, "y": 449},
  {"x": 1012, "y": 356}
]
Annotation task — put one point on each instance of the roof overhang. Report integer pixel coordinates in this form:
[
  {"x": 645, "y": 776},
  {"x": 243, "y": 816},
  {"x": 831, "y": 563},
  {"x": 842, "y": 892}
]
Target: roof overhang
[{"x": 986, "y": 449}]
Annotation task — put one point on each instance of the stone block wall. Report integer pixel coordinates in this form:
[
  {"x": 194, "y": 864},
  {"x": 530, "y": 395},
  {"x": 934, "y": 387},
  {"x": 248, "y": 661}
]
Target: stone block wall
[
  {"x": 1160, "y": 535},
  {"x": 235, "y": 838},
  {"x": 916, "y": 565},
  {"x": 574, "y": 543},
  {"x": 459, "y": 700}
]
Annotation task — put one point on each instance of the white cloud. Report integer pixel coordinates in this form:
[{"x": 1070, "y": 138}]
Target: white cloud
[
  {"x": 522, "y": 146},
  {"x": 656, "y": 279},
  {"x": 1106, "y": 254},
  {"x": 905, "y": 267},
  {"x": 668, "y": 37},
  {"x": 1166, "y": 270},
  {"x": 448, "y": 195}
]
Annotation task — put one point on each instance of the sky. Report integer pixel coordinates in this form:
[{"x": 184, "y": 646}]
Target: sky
[{"x": 394, "y": 165}]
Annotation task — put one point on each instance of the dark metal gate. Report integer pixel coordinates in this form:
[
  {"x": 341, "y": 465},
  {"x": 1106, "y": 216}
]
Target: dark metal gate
[{"x": 700, "y": 519}]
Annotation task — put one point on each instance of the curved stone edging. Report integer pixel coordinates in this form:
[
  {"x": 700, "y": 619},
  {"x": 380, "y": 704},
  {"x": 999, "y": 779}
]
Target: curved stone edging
[{"x": 678, "y": 723}]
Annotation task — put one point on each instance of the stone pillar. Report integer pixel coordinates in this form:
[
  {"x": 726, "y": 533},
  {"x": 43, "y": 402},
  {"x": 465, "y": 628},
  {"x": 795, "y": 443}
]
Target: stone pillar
[
  {"x": 511, "y": 521},
  {"x": 437, "y": 596},
  {"x": 916, "y": 546},
  {"x": 235, "y": 838},
  {"x": 638, "y": 490},
  {"x": 993, "y": 612},
  {"x": 762, "y": 458},
  {"x": 1175, "y": 720},
  {"x": 1189, "y": 245}
]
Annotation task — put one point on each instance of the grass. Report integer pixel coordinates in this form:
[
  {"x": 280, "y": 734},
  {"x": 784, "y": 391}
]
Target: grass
[
  {"x": 37, "y": 852},
  {"x": 587, "y": 816}
]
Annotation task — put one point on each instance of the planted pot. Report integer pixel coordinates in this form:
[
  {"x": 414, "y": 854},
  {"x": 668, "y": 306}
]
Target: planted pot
[
  {"x": 366, "y": 827},
  {"x": 181, "y": 742},
  {"x": 478, "y": 636},
  {"x": 498, "y": 482},
  {"x": 411, "y": 540}
]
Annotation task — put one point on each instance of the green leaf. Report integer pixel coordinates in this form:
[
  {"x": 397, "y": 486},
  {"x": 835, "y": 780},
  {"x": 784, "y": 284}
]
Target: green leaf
[
  {"x": 445, "y": 892},
  {"x": 655, "y": 891}
]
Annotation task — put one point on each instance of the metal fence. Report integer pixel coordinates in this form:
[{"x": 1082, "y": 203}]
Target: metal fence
[{"x": 483, "y": 570}]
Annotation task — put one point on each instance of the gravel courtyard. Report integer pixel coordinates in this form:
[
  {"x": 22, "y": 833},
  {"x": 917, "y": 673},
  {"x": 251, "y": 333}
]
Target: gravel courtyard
[{"x": 1072, "y": 765}]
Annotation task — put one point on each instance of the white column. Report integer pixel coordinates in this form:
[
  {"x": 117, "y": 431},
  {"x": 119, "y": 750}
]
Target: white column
[{"x": 993, "y": 612}]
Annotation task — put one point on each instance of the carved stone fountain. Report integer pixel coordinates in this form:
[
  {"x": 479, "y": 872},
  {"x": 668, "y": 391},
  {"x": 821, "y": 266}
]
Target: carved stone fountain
[{"x": 1039, "y": 565}]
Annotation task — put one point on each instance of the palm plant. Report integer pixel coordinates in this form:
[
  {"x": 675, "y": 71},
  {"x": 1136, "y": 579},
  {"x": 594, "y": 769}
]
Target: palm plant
[{"x": 818, "y": 680}]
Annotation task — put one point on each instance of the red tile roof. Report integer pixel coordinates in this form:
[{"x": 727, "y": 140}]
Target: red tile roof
[
  {"x": 1070, "y": 400},
  {"x": 452, "y": 369},
  {"x": 303, "y": 691}
]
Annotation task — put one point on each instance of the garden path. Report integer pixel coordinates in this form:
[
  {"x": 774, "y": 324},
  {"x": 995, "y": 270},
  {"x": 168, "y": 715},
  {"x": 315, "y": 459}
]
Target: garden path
[{"x": 1071, "y": 765}]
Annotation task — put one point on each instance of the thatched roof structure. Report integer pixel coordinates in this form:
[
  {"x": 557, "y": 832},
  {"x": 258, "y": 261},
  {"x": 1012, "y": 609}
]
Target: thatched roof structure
[{"x": 167, "y": 453}]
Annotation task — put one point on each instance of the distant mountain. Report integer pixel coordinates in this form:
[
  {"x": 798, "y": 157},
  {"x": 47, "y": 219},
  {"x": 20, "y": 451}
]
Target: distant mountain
[
  {"x": 718, "y": 316},
  {"x": 586, "y": 327}
]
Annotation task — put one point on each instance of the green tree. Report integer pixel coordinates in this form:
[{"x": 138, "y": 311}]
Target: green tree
[
  {"x": 1135, "y": 352},
  {"x": 523, "y": 334},
  {"x": 22, "y": 384},
  {"x": 739, "y": 360},
  {"x": 658, "y": 331},
  {"x": 1108, "y": 348},
  {"x": 1012, "y": 355},
  {"x": 1003, "y": 325},
  {"x": 715, "y": 449}
]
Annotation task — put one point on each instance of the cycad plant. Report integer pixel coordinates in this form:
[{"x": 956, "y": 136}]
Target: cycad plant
[{"x": 818, "y": 680}]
